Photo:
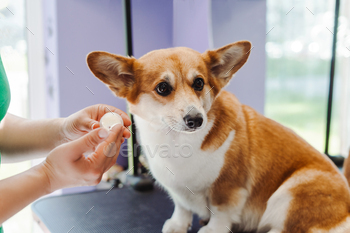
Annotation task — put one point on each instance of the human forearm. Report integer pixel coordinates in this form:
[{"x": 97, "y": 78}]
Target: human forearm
[
  {"x": 65, "y": 166},
  {"x": 22, "y": 139},
  {"x": 19, "y": 191}
]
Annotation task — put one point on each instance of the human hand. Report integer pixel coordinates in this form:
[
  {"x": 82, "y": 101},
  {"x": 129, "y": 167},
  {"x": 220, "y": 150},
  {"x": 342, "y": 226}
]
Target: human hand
[
  {"x": 83, "y": 121},
  {"x": 66, "y": 166}
]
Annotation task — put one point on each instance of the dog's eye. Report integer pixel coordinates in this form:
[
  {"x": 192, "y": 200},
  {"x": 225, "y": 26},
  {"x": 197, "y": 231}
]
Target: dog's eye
[
  {"x": 198, "y": 84},
  {"x": 163, "y": 89}
]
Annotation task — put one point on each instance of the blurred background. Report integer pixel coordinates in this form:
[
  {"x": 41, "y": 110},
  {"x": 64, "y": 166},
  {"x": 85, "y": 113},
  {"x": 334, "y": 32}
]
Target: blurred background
[{"x": 43, "y": 45}]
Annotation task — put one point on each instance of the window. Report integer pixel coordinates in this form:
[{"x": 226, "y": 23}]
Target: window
[
  {"x": 13, "y": 50},
  {"x": 299, "y": 46},
  {"x": 341, "y": 116}
]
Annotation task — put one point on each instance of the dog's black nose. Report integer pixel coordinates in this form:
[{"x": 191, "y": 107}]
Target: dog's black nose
[{"x": 193, "y": 122}]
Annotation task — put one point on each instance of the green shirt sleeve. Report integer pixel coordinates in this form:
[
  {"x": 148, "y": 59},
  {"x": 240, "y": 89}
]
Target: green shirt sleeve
[{"x": 5, "y": 96}]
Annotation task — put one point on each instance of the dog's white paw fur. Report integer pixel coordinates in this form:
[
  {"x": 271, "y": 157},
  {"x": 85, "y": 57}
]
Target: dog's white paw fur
[
  {"x": 207, "y": 229},
  {"x": 173, "y": 226}
]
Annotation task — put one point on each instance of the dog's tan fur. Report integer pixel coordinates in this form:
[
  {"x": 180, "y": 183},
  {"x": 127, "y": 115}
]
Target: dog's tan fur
[{"x": 263, "y": 156}]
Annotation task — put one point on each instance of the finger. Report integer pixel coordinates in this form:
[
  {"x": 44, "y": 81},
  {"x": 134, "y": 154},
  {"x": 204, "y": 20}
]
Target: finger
[
  {"x": 112, "y": 162},
  {"x": 107, "y": 150},
  {"x": 88, "y": 124},
  {"x": 96, "y": 125},
  {"x": 87, "y": 142},
  {"x": 113, "y": 147},
  {"x": 126, "y": 119},
  {"x": 92, "y": 124},
  {"x": 114, "y": 159},
  {"x": 126, "y": 133}
]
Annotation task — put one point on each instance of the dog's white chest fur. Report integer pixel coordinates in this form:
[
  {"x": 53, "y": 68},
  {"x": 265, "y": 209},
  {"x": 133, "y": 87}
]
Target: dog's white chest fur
[{"x": 178, "y": 163}]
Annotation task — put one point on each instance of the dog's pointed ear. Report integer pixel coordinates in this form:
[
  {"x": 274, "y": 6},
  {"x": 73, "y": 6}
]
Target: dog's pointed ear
[
  {"x": 226, "y": 61},
  {"x": 113, "y": 70}
]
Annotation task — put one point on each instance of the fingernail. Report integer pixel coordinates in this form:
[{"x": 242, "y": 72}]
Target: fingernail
[
  {"x": 95, "y": 125},
  {"x": 103, "y": 133},
  {"x": 122, "y": 131}
]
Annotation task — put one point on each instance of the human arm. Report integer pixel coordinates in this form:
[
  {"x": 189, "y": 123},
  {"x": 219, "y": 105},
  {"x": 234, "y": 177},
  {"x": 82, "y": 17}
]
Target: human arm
[
  {"x": 65, "y": 166},
  {"x": 22, "y": 139}
]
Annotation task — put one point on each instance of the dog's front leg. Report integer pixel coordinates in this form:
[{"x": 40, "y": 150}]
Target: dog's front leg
[
  {"x": 179, "y": 222},
  {"x": 220, "y": 222}
]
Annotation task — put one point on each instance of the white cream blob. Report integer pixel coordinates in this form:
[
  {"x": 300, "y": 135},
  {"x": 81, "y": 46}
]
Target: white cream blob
[{"x": 111, "y": 119}]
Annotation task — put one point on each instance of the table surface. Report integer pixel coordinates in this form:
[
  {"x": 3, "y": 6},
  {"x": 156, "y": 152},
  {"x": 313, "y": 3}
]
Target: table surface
[{"x": 119, "y": 211}]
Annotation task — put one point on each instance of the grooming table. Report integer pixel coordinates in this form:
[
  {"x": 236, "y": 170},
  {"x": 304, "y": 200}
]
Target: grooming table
[{"x": 116, "y": 211}]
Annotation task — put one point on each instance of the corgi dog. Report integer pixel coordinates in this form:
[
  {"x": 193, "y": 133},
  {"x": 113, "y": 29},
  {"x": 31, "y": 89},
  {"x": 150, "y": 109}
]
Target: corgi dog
[{"x": 233, "y": 167}]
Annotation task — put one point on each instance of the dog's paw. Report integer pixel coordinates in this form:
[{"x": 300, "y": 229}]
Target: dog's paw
[
  {"x": 207, "y": 229},
  {"x": 172, "y": 226}
]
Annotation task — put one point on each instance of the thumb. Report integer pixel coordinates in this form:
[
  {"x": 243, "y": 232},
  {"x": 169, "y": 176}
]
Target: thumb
[
  {"x": 89, "y": 141},
  {"x": 91, "y": 124}
]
